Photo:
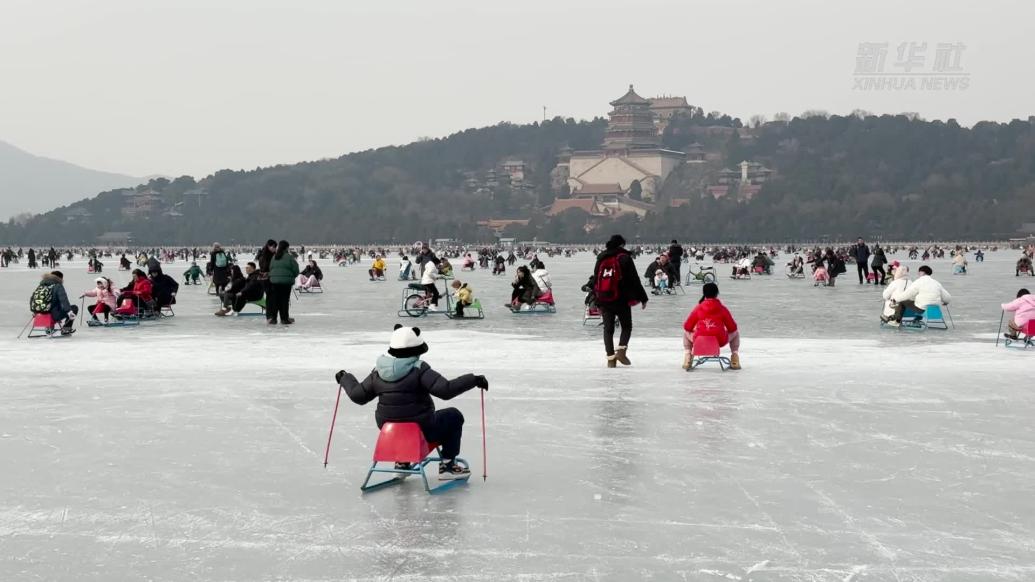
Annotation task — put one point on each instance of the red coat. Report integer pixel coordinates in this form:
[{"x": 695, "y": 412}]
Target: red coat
[
  {"x": 142, "y": 289},
  {"x": 711, "y": 317}
]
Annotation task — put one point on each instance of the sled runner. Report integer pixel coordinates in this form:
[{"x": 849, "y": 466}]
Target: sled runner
[
  {"x": 403, "y": 442},
  {"x": 706, "y": 349}
]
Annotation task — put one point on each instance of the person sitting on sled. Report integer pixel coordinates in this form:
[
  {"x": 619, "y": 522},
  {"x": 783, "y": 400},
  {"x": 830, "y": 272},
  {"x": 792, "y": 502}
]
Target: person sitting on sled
[
  {"x": 959, "y": 262},
  {"x": 899, "y": 282},
  {"x": 403, "y": 386},
  {"x": 192, "y": 275},
  {"x": 464, "y": 296},
  {"x": 311, "y": 276},
  {"x": 525, "y": 290},
  {"x": 1023, "y": 265},
  {"x": 1023, "y": 310},
  {"x": 919, "y": 294},
  {"x": 105, "y": 294},
  {"x": 742, "y": 268},
  {"x": 661, "y": 281},
  {"x": 242, "y": 291},
  {"x": 445, "y": 268},
  {"x": 377, "y": 269},
  {"x": 164, "y": 288},
  {"x": 138, "y": 291},
  {"x": 711, "y": 318},
  {"x": 797, "y": 265},
  {"x": 819, "y": 274},
  {"x": 50, "y": 297}
]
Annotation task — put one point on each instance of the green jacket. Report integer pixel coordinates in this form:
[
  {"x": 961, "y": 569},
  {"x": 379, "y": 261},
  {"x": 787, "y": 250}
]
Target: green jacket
[{"x": 284, "y": 270}]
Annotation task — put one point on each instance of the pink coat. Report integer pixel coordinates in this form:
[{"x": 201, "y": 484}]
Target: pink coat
[
  {"x": 1024, "y": 306},
  {"x": 103, "y": 296}
]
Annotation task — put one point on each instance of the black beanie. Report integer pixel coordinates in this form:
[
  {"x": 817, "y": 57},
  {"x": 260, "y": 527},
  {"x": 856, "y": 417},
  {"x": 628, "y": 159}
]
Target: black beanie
[
  {"x": 615, "y": 241},
  {"x": 58, "y": 274}
]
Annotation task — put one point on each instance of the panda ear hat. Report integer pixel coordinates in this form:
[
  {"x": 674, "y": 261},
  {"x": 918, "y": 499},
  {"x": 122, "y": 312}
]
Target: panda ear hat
[{"x": 406, "y": 342}]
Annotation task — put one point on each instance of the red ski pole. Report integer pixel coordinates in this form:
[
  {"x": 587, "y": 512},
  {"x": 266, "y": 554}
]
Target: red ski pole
[
  {"x": 485, "y": 458},
  {"x": 330, "y": 434}
]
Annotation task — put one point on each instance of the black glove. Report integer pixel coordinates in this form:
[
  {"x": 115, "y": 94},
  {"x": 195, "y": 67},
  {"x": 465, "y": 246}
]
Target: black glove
[
  {"x": 481, "y": 382},
  {"x": 337, "y": 377}
]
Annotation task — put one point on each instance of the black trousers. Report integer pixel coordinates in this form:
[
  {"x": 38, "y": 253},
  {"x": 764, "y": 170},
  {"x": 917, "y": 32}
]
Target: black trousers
[
  {"x": 863, "y": 271},
  {"x": 278, "y": 301},
  {"x": 433, "y": 294},
  {"x": 446, "y": 429},
  {"x": 879, "y": 269},
  {"x": 621, "y": 311}
]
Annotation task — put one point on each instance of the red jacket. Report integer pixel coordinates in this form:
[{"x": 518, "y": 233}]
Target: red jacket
[
  {"x": 142, "y": 289},
  {"x": 711, "y": 317}
]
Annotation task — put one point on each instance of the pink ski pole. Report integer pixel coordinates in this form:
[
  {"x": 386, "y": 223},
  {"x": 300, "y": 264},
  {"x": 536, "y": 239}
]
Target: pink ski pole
[{"x": 485, "y": 458}]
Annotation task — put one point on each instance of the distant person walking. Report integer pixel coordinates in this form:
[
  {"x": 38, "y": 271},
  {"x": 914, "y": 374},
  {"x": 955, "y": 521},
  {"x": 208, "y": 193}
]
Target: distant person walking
[
  {"x": 617, "y": 288},
  {"x": 861, "y": 253}
]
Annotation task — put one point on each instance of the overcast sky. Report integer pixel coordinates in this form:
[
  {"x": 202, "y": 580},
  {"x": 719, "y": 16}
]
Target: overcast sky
[{"x": 189, "y": 87}]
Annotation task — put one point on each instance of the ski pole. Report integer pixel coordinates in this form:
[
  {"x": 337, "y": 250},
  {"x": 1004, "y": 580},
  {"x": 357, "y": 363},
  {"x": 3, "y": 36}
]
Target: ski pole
[
  {"x": 31, "y": 319},
  {"x": 82, "y": 308},
  {"x": 949, "y": 313},
  {"x": 998, "y": 333},
  {"x": 330, "y": 433},
  {"x": 485, "y": 458}
]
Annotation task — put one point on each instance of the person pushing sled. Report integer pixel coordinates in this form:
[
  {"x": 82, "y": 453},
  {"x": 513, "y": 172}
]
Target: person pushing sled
[{"x": 404, "y": 385}]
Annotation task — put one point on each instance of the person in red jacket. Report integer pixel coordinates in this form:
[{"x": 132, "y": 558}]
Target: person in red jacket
[
  {"x": 711, "y": 318},
  {"x": 138, "y": 292}
]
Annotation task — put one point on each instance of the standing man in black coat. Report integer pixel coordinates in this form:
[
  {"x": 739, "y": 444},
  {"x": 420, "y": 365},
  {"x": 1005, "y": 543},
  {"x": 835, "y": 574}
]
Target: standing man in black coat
[
  {"x": 675, "y": 257},
  {"x": 617, "y": 288},
  {"x": 861, "y": 252}
]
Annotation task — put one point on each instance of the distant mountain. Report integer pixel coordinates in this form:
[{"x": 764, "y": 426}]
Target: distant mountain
[{"x": 30, "y": 183}]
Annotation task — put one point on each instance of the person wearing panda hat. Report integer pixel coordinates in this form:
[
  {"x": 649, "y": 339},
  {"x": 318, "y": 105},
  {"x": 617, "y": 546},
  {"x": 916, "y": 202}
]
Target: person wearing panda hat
[{"x": 404, "y": 385}]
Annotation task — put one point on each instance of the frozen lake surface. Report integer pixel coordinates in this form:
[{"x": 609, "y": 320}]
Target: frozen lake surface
[{"x": 192, "y": 448}]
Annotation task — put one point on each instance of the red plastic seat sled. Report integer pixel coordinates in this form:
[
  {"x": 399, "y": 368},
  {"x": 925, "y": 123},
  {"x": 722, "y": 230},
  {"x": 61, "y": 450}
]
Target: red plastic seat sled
[
  {"x": 706, "y": 349},
  {"x": 42, "y": 325},
  {"x": 403, "y": 442}
]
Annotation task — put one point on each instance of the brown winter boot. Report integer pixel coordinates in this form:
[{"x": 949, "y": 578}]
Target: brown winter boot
[
  {"x": 687, "y": 361},
  {"x": 611, "y": 363},
  {"x": 621, "y": 357},
  {"x": 734, "y": 362}
]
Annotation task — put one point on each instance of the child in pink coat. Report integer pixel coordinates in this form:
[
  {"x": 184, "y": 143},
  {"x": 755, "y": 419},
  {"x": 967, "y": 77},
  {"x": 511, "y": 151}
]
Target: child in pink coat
[
  {"x": 105, "y": 294},
  {"x": 1023, "y": 310},
  {"x": 820, "y": 275}
]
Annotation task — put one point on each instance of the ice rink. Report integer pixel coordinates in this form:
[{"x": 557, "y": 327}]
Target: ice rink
[{"x": 192, "y": 448}]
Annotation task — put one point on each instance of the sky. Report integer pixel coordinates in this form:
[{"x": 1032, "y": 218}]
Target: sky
[{"x": 147, "y": 87}]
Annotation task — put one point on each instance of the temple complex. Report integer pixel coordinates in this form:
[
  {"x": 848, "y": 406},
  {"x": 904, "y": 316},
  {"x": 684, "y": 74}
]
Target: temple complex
[{"x": 631, "y": 152}]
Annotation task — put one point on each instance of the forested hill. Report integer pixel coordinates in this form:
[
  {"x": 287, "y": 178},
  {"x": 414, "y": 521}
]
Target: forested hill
[{"x": 892, "y": 176}]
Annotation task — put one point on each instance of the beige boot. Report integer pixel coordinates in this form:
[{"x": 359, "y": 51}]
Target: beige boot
[
  {"x": 734, "y": 362},
  {"x": 687, "y": 361},
  {"x": 611, "y": 363},
  {"x": 621, "y": 357}
]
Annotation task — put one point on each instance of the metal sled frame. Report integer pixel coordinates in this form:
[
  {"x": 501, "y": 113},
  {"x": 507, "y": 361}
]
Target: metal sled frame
[
  {"x": 43, "y": 325},
  {"x": 418, "y": 469},
  {"x": 314, "y": 290},
  {"x": 472, "y": 311},
  {"x": 1026, "y": 340},
  {"x": 536, "y": 308},
  {"x": 702, "y": 276},
  {"x": 706, "y": 349},
  {"x": 261, "y": 304},
  {"x": 932, "y": 318}
]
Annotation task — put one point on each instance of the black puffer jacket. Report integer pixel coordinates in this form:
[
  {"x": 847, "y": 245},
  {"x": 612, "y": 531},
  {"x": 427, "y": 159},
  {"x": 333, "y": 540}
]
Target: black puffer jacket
[{"x": 407, "y": 399}]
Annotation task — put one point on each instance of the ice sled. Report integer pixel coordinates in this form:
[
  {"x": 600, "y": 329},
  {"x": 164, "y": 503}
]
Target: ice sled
[
  {"x": 404, "y": 442},
  {"x": 959, "y": 270},
  {"x": 43, "y": 325},
  {"x": 543, "y": 304},
  {"x": 706, "y": 349},
  {"x": 260, "y": 303},
  {"x": 702, "y": 275},
  {"x": 592, "y": 314},
  {"x": 317, "y": 287},
  {"x": 472, "y": 311},
  {"x": 417, "y": 303},
  {"x": 933, "y": 317},
  {"x": 1027, "y": 338}
]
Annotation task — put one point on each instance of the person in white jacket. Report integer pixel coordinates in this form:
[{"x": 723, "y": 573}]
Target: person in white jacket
[
  {"x": 427, "y": 280},
  {"x": 921, "y": 293},
  {"x": 897, "y": 285},
  {"x": 542, "y": 278}
]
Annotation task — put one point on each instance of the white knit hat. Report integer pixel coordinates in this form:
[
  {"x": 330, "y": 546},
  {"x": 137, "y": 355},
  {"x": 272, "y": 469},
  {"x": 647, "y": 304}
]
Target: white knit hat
[{"x": 406, "y": 342}]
